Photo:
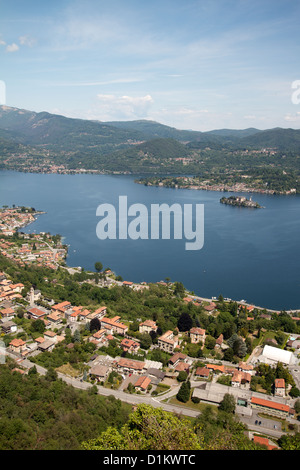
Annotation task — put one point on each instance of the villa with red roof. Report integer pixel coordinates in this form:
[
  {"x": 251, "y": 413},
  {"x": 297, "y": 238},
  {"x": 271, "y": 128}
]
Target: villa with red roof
[{"x": 114, "y": 325}]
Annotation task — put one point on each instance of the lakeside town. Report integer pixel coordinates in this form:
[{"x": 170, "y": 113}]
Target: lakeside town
[
  {"x": 209, "y": 184},
  {"x": 134, "y": 357}
]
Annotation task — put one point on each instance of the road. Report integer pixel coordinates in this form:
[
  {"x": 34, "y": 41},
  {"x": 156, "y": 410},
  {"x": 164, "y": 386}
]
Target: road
[
  {"x": 266, "y": 426},
  {"x": 123, "y": 396}
]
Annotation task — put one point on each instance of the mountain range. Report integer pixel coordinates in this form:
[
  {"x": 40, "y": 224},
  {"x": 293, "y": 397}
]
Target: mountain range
[{"x": 111, "y": 145}]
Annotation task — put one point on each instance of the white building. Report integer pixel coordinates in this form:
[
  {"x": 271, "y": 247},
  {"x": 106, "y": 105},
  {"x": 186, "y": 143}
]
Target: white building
[{"x": 271, "y": 355}]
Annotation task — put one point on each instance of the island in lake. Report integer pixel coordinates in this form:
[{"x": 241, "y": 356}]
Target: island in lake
[{"x": 240, "y": 201}]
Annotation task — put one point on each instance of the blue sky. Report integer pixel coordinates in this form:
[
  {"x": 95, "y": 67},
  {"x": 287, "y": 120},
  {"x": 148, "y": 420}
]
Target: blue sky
[{"x": 190, "y": 64}]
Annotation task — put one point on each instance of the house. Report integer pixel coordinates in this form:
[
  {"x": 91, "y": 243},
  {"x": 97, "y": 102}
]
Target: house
[
  {"x": 9, "y": 327},
  {"x": 99, "y": 372},
  {"x": 202, "y": 372},
  {"x": 156, "y": 374},
  {"x": 36, "y": 313},
  {"x": 99, "y": 335},
  {"x": 147, "y": 326},
  {"x": 142, "y": 383},
  {"x": 178, "y": 357},
  {"x": 219, "y": 341},
  {"x": 280, "y": 387},
  {"x": 51, "y": 335},
  {"x": 99, "y": 313},
  {"x": 61, "y": 307},
  {"x": 39, "y": 340},
  {"x": 216, "y": 368},
  {"x": 74, "y": 316},
  {"x": 168, "y": 342},
  {"x": 273, "y": 408},
  {"x": 17, "y": 346},
  {"x": 210, "y": 308},
  {"x": 17, "y": 287},
  {"x": 128, "y": 345},
  {"x": 99, "y": 338},
  {"x": 69, "y": 311},
  {"x": 7, "y": 313},
  {"x": 83, "y": 315},
  {"x": 130, "y": 365},
  {"x": 239, "y": 377},
  {"x": 54, "y": 318},
  {"x": 182, "y": 367},
  {"x": 197, "y": 335},
  {"x": 248, "y": 368},
  {"x": 46, "y": 345},
  {"x": 115, "y": 325}
]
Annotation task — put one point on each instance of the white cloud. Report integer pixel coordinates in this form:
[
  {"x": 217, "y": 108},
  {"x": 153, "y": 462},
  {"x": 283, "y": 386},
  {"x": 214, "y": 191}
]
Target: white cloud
[
  {"x": 292, "y": 117},
  {"x": 27, "y": 41},
  {"x": 111, "y": 107},
  {"x": 12, "y": 47}
]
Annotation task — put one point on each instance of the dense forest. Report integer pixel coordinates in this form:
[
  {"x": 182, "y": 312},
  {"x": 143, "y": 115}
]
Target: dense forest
[{"x": 43, "y": 413}]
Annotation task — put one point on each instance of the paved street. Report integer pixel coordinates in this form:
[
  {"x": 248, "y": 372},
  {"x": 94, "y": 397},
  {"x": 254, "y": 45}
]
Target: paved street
[{"x": 266, "y": 426}]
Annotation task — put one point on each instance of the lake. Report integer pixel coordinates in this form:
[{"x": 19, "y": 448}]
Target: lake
[{"x": 251, "y": 254}]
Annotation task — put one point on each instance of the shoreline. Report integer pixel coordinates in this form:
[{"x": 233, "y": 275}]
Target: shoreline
[
  {"x": 188, "y": 293},
  {"x": 218, "y": 188}
]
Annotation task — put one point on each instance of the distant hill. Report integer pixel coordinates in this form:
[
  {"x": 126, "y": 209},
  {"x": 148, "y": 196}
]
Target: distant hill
[
  {"x": 133, "y": 146},
  {"x": 153, "y": 129},
  {"x": 60, "y": 132},
  {"x": 235, "y": 133},
  {"x": 282, "y": 139}
]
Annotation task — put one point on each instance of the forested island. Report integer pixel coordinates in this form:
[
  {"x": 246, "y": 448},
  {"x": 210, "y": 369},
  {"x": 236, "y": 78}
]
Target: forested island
[{"x": 240, "y": 202}]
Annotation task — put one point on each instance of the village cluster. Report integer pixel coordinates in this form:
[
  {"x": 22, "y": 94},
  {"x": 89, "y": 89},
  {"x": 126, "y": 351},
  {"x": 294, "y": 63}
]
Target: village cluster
[
  {"x": 143, "y": 375},
  {"x": 41, "y": 249},
  {"x": 137, "y": 376}
]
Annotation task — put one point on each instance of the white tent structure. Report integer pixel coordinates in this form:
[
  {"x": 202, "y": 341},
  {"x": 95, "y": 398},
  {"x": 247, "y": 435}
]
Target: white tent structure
[{"x": 273, "y": 355}]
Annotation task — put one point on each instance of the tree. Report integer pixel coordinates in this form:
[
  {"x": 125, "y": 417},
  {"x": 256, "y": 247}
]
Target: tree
[
  {"x": 294, "y": 392},
  {"x": 145, "y": 341},
  {"x": 38, "y": 325},
  {"x": 185, "y": 322},
  {"x": 179, "y": 289},
  {"x": 238, "y": 345},
  {"x": 184, "y": 392},
  {"x": 51, "y": 375},
  {"x": 95, "y": 324},
  {"x": 210, "y": 342},
  {"x": 182, "y": 376},
  {"x": 77, "y": 337},
  {"x": 148, "y": 428},
  {"x": 289, "y": 442},
  {"x": 228, "y": 403},
  {"x": 98, "y": 266},
  {"x": 297, "y": 406}
]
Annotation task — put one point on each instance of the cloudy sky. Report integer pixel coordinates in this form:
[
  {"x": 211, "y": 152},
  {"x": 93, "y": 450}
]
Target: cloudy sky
[{"x": 190, "y": 64}]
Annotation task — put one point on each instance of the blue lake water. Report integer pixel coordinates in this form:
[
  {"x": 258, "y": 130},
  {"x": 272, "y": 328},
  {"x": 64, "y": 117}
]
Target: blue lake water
[{"x": 251, "y": 254}]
